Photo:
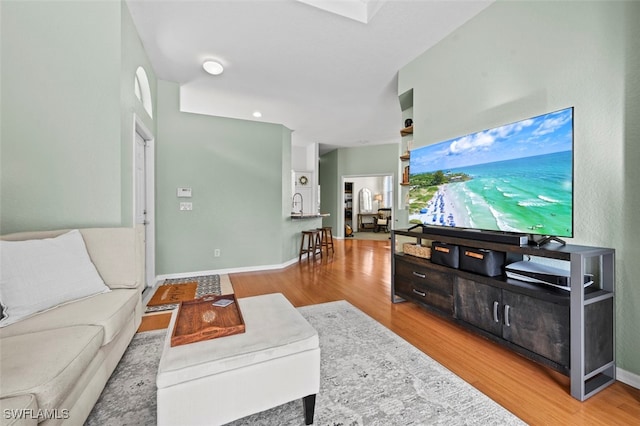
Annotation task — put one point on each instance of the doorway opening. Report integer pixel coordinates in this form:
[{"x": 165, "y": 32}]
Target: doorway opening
[{"x": 368, "y": 203}]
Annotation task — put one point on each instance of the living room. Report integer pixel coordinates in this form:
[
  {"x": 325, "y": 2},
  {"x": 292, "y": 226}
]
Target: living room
[{"x": 67, "y": 119}]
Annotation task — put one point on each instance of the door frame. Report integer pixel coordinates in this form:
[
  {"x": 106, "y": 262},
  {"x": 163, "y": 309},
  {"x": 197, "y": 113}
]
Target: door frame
[
  {"x": 343, "y": 179},
  {"x": 150, "y": 241}
]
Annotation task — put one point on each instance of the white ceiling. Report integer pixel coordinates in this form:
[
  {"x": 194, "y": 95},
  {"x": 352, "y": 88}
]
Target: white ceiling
[{"x": 330, "y": 78}]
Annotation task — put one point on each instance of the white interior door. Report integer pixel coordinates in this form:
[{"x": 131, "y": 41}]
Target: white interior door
[
  {"x": 140, "y": 181},
  {"x": 143, "y": 201}
]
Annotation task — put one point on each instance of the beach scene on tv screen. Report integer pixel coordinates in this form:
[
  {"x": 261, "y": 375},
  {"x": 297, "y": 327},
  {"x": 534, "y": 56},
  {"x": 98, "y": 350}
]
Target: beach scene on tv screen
[{"x": 513, "y": 178}]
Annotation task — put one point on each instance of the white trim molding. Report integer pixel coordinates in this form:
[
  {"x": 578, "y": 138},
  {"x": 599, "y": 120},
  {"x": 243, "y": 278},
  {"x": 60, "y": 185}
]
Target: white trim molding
[
  {"x": 628, "y": 377},
  {"x": 150, "y": 244},
  {"x": 161, "y": 278}
]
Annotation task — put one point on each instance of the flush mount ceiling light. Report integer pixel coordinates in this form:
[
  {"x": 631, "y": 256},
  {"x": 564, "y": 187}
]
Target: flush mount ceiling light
[
  {"x": 213, "y": 67},
  {"x": 257, "y": 114}
]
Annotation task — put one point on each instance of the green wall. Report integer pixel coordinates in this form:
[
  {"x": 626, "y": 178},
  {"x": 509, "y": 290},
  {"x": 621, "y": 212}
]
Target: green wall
[
  {"x": 67, "y": 107},
  {"x": 239, "y": 172},
  {"x": 520, "y": 59},
  {"x": 628, "y": 267},
  {"x": 330, "y": 182},
  {"x": 66, "y": 147}
]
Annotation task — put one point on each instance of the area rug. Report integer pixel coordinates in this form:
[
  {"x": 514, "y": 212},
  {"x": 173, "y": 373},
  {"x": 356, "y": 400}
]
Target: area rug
[
  {"x": 369, "y": 376},
  {"x": 206, "y": 285},
  {"x": 173, "y": 293}
]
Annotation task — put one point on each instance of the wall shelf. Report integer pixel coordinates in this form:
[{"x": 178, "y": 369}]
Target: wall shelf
[{"x": 406, "y": 144}]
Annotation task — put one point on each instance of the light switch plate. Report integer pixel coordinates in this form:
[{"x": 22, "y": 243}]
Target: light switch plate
[
  {"x": 184, "y": 192},
  {"x": 186, "y": 206}
]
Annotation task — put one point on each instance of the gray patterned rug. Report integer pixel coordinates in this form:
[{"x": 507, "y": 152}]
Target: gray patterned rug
[
  {"x": 207, "y": 284},
  {"x": 369, "y": 376}
]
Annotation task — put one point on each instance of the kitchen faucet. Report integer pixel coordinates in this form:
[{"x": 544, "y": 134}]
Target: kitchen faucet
[{"x": 294, "y": 203}]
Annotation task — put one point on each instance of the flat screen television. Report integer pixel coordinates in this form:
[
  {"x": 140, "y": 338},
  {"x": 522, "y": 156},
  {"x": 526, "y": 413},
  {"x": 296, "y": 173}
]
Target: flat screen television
[{"x": 516, "y": 178}]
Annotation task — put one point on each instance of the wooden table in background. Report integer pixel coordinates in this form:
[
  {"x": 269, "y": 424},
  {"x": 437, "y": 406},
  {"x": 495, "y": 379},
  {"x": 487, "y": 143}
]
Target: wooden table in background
[{"x": 367, "y": 226}]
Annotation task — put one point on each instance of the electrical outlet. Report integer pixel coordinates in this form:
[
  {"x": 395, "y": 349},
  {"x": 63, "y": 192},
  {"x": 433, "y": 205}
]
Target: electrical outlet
[
  {"x": 186, "y": 206},
  {"x": 216, "y": 253}
]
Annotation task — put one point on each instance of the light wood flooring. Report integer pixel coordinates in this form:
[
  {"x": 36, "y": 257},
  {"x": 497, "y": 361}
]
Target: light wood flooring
[{"x": 360, "y": 272}]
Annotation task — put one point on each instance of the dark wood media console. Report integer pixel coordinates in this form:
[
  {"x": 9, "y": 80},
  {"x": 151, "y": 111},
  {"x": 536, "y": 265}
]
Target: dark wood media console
[{"x": 569, "y": 331}]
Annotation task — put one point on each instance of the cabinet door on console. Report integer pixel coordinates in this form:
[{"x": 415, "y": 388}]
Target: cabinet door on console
[
  {"x": 479, "y": 304},
  {"x": 537, "y": 325}
]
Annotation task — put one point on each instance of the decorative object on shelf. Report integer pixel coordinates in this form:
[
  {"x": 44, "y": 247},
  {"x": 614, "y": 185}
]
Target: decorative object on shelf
[
  {"x": 303, "y": 180},
  {"x": 405, "y": 176},
  {"x": 408, "y": 122},
  {"x": 406, "y": 131}
]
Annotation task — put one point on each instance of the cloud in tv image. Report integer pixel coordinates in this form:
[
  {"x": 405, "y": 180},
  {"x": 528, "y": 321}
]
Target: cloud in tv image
[{"x": 513, "y": 178}]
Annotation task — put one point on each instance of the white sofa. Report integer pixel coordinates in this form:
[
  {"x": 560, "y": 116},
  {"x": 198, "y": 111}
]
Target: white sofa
[{"x": 55, "y": 364}]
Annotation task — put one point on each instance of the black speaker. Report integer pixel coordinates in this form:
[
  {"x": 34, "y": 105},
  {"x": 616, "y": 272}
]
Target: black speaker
[{"x": 408, "y": 122}]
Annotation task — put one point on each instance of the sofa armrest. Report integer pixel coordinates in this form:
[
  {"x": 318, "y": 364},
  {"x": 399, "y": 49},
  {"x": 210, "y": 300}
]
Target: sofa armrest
[{"x": 117, "y": 255}]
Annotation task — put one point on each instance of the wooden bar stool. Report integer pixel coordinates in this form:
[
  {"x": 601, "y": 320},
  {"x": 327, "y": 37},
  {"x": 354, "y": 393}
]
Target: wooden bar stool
[
  {"x": 326, "y": 238},
  {"x": 313, "y": 245}
]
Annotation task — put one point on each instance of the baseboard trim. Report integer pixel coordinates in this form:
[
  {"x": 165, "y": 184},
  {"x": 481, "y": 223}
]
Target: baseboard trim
[
  {"x": 628, "y": 377},
  {"x": 290, "y": 262}
]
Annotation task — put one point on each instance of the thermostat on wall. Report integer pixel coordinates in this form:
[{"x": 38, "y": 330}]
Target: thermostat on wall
[{"x": 184, "y": 192}]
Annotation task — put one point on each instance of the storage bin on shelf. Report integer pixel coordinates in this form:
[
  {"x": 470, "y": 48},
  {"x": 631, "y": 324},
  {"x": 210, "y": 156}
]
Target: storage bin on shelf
[
  {"x": 445, "y": 254},
  {"x": 417, "y": 250}
]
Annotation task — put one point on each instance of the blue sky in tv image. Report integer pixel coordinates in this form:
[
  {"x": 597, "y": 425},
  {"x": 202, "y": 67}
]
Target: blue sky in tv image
[
  {"x": 552, "y": 132},
  {"x": 514, "y": 178}
]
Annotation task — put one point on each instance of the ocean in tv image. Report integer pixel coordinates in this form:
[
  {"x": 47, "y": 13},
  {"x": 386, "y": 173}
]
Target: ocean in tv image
[{"x": 514, "y": 178}]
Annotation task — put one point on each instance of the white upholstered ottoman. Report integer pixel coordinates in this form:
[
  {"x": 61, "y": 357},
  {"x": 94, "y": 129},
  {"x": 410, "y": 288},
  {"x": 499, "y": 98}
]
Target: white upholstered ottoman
[{"x": 276, "y": 360}]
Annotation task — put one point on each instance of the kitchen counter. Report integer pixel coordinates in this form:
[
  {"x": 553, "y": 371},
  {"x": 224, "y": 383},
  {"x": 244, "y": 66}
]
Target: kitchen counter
[{"x": 308, "y": 215}]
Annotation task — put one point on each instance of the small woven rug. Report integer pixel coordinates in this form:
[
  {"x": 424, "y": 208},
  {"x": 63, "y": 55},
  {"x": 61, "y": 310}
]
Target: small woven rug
[
  {"x": 206, "y": 285},
  {"x": 173, "y": 293}
]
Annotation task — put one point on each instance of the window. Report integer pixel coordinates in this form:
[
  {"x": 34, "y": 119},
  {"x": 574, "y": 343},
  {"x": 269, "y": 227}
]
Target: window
[{"x": 142, "y": 90}]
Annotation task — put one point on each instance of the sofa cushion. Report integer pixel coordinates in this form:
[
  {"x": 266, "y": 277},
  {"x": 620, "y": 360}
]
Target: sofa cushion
[
  {"x": 47, "y": 363},
  {"x": 110, "y": 310},
  {"x": 37, "y": 275}
]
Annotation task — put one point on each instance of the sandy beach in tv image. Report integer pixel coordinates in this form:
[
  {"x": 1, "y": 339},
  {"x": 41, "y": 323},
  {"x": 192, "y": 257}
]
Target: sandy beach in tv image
[{"x": 514, "y": 178}]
